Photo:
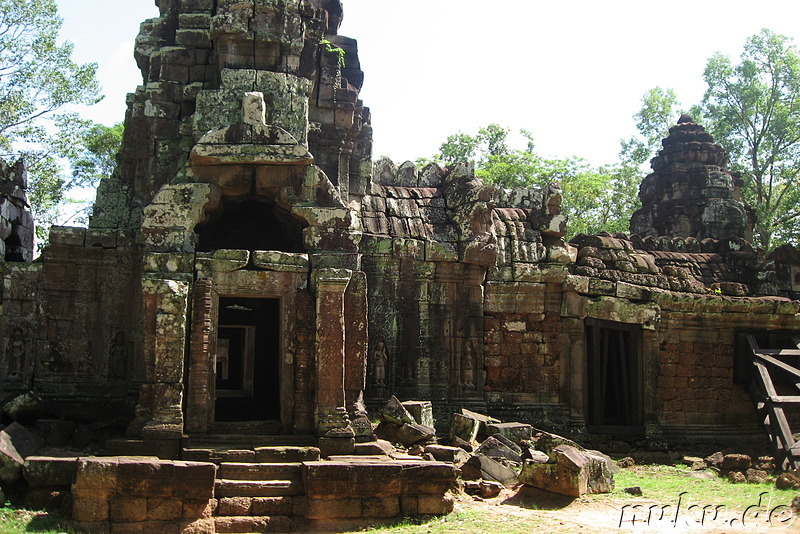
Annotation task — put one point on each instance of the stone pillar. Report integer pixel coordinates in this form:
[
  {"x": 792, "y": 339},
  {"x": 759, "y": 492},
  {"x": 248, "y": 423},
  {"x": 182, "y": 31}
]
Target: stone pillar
[
  {"x": 333, "y": 424},
  {"x": 160, "y": 401}
]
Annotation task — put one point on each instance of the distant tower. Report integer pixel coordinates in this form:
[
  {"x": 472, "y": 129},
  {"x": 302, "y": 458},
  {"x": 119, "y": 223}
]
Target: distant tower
[{"x": 691, "y": 193}]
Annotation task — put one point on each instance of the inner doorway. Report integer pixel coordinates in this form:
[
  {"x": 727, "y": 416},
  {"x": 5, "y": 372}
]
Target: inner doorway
[
  {"x": 614, "y": 365},
  {"x": 247, "y": 363}
]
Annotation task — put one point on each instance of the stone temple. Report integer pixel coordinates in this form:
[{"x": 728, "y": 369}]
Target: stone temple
[{"x": 248, "y": 266}]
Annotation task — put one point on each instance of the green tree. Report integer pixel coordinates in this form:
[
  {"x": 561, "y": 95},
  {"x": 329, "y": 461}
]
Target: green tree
[
  {"x": 753, "y": 109},
  {"x": 38, "y": 82},
  {"x": 653, "y": 121}
]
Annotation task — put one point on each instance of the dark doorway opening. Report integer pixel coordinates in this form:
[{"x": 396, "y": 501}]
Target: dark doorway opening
[
  {"x": 613, "y": 353},
  {"x": 248, "y": 360}
]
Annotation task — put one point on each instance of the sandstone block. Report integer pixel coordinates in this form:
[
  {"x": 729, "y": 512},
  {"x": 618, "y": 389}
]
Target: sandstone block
[
  {"x": 381, "y": 507},
  {"x": 234, "y": 506},
  {"x": 90, "y": 509},
  {"x": 442, "y": 453},
  {"x": 494, "y": 448},
  {"x": 409, "y": 434},
  {"x": 573, "y": 473},
  {"x": 395, "y": 412},
  {"x": 435, "y": 505},
  {"x": 480, "y": 466},
  {"x": 421, "y": 411},
  {"x": 515, "y": 432},
  {"x": 128, "y": 509},
  {"x": 334, "y": 508},
  {"x": 464, "y": 428},
  {"x": 16, "y": 444},
  {"x": 164, "y": 509},
  {"x": 42, "y": 471},
  {"x": 269, "y": 506}
]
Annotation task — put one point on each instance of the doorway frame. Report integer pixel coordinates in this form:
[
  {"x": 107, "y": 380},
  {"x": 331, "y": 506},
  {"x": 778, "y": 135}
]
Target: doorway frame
[
  {"x": 635, "y": 367},
  {"x": 200, "y": 377}
]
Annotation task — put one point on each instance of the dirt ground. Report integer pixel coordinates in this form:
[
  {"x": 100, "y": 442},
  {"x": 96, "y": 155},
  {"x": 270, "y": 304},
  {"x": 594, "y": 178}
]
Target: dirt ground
[{"x": 546, "y": 512}]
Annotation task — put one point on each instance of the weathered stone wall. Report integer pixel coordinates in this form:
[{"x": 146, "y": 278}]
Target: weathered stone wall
[
  {"x": 69, "y": 327},
  {"x": 143, "y": 495}
]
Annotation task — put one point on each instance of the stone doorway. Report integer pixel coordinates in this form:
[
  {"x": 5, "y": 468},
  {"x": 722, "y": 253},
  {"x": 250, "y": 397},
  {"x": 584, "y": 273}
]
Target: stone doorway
[
  {"x": 614, "y": 371},
  {"x": 247, "y": 362}
]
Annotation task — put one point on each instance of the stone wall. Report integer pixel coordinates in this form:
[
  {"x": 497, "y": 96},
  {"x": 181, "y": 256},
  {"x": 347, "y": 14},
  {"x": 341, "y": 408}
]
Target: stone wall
[
  {"x": 143, "y": 495},
  {"x": 69, "y": 328}
]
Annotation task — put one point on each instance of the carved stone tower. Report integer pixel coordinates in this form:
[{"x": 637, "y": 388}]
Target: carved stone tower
[{"x": 691, "y": 193}]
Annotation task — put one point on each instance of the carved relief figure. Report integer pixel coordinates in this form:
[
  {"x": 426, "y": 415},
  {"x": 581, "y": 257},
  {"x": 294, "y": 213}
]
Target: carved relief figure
[
  {"x": 380, "y": 361},
  {"x": 468, "y": 366},
  {"x": 254, "y": 109},
  {"x": 118, "y": 357},
  {"x": 15, "y": 352}
]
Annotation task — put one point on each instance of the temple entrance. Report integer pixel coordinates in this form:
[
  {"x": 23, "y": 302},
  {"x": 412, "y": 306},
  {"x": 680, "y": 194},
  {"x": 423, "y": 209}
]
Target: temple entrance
[
  {"x": 247, "y": 363},
  {"x": 614, "y": 366}
]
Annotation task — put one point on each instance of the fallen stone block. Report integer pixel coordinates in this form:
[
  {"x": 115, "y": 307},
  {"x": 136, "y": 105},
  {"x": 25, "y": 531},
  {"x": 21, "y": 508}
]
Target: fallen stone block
[
  {"x": 510, "y": 444},
  {"x": 412, "y": 433},
  {"x": 537, "y": 457},
  {"x": 464, "y": 428},
  {"x": 374, "y": 447},
  {"x": 514, "y": 432},
  {"x": 461, "y": 444},
  {"x": 395, "y": 412},
  {"x": 453, "y": 455},
  {"x": 16, "y": 444},
  {"x": 421, "y": 411},
  {"x": 26, "y": 408},
  {"x": 574, "y": 473},
  {"x": 490, "y": 489},
  {"x": 480, "y": 466},
  {"x": 494, "y": 448},
  {"x": 547, "y": 442},
  {"x": 483, "y": 422}
]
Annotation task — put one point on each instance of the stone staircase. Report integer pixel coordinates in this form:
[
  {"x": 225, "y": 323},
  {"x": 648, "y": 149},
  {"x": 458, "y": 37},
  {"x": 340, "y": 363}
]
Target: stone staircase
[{"x": 259, "y": 486}]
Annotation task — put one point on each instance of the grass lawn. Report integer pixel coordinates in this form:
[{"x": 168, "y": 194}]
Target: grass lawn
[{"x": 13, "y": 521}]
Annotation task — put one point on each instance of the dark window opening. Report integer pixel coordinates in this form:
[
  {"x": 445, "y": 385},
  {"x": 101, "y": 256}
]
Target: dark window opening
[
  {"x": 251, "y": 225},
  {"x": 14, "y": 246},
  {"x": 614, "y": 375},
  {"x": 247, "y": 360},
  {"x": 743, "y": 368}
]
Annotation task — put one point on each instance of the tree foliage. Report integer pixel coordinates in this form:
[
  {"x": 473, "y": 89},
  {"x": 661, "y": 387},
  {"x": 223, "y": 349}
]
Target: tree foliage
[
  {"x": 753, "y": 109},
  {"x": 38, "y": 82},
  {"x": 596, "y": 199},
  {"x": 653, "y": 121}
]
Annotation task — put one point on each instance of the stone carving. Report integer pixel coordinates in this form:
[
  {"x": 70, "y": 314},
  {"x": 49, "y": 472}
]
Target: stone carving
[
  {"x": 380, "y": 361},
  {"x": 15, "y": 352},
  {"x": 468, "y": 365},
  {"x": 690, "y": 192},
  {"x": 254, "y": 109},
  {"x": 118, "y": 357}
]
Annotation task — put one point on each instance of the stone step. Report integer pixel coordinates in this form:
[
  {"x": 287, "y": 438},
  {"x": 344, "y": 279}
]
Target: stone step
[
  {"x": 260, "y": 471},
  {"x": 257, "y": 488},
  {"x": 243, "y": 441},
  {"x": 217, "y": 454},
  {"x": 252, "y": 524}
]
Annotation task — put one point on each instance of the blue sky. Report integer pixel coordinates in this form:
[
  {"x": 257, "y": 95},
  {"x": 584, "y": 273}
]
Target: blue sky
[{"x": 571, "y": 72}]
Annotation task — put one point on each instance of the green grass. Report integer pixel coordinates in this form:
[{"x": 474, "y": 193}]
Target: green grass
[
  {"x": 14, "y": 521},
  {"x": 469, "y": 522},
  {"x": 665, "y": 483}
]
